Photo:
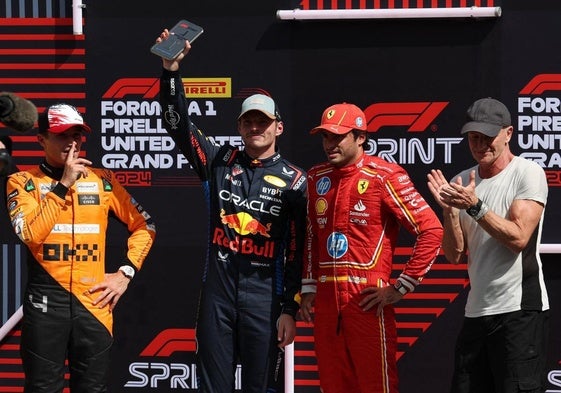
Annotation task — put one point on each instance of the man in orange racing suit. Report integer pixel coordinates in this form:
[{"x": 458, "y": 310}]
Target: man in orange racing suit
[
  {"x": 356, "y": 204},
  {"x": 257, "y": 209},
  {"x": 60, "y": 210}
]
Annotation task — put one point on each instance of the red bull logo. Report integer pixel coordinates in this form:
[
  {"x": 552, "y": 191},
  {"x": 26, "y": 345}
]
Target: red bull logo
[
  {"x": 244, "y": 224},
  {"x": 244, "y": 246}
]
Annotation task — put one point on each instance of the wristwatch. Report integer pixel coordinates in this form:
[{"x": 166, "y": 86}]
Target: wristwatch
[
  {"x": 128, "y": 271},
  {"x": 478, "y": 210},
  {"x": 474, "y": 210},
  {"x": 400, "y": 287}
]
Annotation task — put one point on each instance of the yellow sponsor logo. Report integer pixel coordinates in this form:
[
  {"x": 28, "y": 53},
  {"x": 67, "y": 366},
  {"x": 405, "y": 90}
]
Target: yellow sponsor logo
[
  {"x": 362, "y": 186},
  {"x": 321, "y": 206},
  {"x": 274, "y": 180},
  {"x": 208, "y": 87}
]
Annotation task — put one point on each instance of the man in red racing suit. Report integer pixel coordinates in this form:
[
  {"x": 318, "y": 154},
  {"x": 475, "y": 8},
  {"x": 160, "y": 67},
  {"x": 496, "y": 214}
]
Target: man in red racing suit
[
  {"x": 356, "y": 205},
  {"x": 60, "y": 210},
  {"x": 257, "y": 209}
]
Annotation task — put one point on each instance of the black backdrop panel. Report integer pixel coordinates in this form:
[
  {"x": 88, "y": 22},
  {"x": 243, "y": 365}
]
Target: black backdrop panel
[
  {"x": 414, "y": 79},
  {"x": 428, "y": 72}
]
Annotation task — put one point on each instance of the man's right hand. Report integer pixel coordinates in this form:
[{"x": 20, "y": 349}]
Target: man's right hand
[
  {"x": 74, "y": 167},
  {"x": 173, "y": 65},
  {"x": 306, "y": 306}
]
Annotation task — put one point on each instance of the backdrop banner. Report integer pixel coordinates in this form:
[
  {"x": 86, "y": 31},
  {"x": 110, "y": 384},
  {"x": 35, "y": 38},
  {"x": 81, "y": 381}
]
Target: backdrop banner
[{"x": 413, "y": 78}]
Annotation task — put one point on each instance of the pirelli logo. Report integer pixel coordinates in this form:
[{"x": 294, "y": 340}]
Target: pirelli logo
[{"x": 208, "y": 87}]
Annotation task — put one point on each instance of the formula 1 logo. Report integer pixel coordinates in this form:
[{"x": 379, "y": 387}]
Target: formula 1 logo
[
  {"x": 411, "y": 149},
  {"x": 159, "y": 374},
  {"x": 170, "y": 341},
  {"x": 162, "y": 373},
  {"x": 542, "y": 83},
  {"x": 418, "y": 116},
  {"x": 148, "y": 88},
  {"x": 132, "y": 133}
]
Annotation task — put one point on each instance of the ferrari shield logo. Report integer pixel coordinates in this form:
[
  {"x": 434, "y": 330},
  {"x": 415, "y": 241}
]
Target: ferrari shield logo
[{"x": 362, "y": 186}]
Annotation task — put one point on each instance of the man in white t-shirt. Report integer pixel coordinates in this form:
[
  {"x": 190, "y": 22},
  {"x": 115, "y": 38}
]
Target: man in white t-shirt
[{"x": 493, "y": 213}]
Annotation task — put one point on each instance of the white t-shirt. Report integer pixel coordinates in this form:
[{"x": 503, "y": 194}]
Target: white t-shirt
[{"x": 501, "y": 280}]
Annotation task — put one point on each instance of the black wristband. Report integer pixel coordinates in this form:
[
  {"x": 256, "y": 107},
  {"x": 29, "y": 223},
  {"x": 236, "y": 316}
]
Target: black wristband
[
  {"x": 473, "y": 211},
  {"x": 290, "y": 308}
]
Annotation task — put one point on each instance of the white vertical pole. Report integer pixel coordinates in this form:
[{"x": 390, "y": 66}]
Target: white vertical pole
[
  {"x": 289, "y": 368},
  {"x": 77, "y": 17}
]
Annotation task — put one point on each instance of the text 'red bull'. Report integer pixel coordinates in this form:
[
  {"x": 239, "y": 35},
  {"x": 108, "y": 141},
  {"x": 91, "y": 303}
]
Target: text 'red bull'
[{"x": 246, "y": 246}]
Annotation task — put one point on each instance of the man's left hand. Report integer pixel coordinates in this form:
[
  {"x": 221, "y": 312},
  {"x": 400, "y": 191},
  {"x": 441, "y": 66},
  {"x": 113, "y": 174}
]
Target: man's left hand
[
  {"x": 380, "y": 297},
  {"x": 112, "y": 288}
]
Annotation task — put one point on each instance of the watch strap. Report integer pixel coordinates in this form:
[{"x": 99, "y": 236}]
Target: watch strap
[
  {"x": 473, "y": 211},
  {"x": 482, "y": 211},
  {"x": 478, "y": 210}
]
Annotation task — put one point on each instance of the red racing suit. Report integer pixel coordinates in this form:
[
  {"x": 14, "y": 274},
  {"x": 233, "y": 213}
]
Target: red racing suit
[
  {"x": 355, "y": 213},
  {"x": 65, "y": 230}
]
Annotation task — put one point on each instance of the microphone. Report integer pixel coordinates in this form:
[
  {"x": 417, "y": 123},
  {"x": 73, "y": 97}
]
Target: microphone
[{"x": 17, "y": 113}]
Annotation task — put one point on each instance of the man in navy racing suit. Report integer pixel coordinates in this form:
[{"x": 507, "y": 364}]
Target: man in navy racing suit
[{"x": 257, "y": 220}]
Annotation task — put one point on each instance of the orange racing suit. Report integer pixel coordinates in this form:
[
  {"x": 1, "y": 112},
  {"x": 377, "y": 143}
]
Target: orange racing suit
[{"x": 65, "y": 231}]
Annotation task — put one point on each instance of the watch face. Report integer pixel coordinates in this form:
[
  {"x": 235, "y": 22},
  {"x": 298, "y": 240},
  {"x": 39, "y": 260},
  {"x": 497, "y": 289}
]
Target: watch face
[
  {"x": 399, "y": 286},
  {"x": 474, "y": 210},
  {"x": 128, "y": 271}
]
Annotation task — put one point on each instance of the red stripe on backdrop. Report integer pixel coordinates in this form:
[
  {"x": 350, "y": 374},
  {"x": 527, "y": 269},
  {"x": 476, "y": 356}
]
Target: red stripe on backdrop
[
  {"x": 40, "y": 37},
  {"x": 42, "y": 66},
  {"x": 306, "y": 382},
  {"x": 10, "y": 360},
  {"x": 43, "y": 52},
  {"x": 35, "y": 22},
  {"x": 50, "y": 81}
]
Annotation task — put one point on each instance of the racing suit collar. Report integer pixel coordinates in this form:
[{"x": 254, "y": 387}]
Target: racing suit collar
[
  {"x": 51, "y": 171},
  {"x": 260, "y": 163},
  {"x": 352, "y": 167}
]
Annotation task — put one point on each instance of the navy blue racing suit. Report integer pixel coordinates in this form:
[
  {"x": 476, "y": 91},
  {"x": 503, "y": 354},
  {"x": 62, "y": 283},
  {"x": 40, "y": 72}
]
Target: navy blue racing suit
[{"x": 253, "y": 268}]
